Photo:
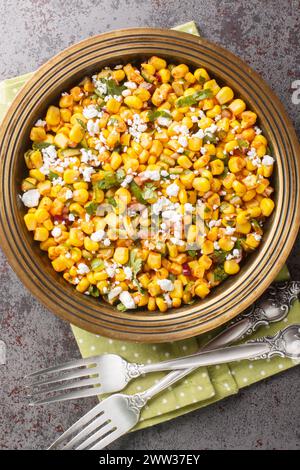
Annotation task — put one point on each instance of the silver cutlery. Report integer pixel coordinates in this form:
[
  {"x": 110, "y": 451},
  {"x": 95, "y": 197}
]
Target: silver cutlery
[
  {"x": 94, "y": 373},
  {"x": 119, "y": 413}
]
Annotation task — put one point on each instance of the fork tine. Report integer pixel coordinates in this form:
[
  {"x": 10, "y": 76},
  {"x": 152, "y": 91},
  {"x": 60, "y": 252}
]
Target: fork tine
[
  {"x": 89, "y": 392},
  {"x": 78, "y": 426},
  {"x": 98, "y": 435},
  {"x": 68, "y": 386},
  {"x": 67, "y": 365},
  {"x": 107, "y": 439},
  {"x": 87, "y": 371},
  {"x": 100, "y": 422}
]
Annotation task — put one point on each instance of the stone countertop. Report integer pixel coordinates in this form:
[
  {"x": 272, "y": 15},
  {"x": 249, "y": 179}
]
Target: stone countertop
[{"x": 267, "y": 36}]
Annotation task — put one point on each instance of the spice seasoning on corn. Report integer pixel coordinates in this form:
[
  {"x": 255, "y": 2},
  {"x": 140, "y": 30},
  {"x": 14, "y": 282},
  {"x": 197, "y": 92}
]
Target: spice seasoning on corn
[{"x": 155, "y": 142}]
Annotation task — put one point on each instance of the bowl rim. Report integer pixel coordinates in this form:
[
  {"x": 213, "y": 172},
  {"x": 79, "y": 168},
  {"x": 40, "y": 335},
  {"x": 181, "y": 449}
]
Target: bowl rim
[{"x": 136, "y": 326}]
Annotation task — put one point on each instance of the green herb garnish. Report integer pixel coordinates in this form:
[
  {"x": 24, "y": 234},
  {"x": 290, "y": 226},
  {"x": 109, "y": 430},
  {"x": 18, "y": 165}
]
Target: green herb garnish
[
  {"x": 93, "y": 291},
  {"x": 40, "y": 145},
  {"x": 52, "y": 176},
  {"x": 112, "y": 201},
  {"x": 121, "y": 307},
  {"x": 219, "y": 274},
  {"x": 152, "y": 115},
  {"x": 91, "y": 208},
  {"x": 149, "y": 191},
  {"x": 81, "y": 123},
  {"x": 243, "y": 144},
  {"x": 219, "y": 256},
  {"x": 97, "y": 264},
  {"x": 137, "y": 192},
  {"x": 112, "y": 88},
  {"x": 192, "y": 253},
  {"x": 189, "y": 100}
]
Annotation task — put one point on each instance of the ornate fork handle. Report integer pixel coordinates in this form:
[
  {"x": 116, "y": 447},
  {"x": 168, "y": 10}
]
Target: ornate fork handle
[{"x": 272, "y": 306}]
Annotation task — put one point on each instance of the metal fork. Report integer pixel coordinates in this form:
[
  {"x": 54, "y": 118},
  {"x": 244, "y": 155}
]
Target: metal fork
[
  {"x": 119, "y": 413},
  {"x": 95, "y": 373}
]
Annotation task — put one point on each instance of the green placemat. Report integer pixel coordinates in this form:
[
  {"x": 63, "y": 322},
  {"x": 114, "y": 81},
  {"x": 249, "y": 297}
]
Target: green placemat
[{"x": 206, "y": 385}]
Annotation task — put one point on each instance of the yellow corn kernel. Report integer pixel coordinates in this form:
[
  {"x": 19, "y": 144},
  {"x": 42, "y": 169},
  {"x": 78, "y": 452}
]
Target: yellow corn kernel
[
  {"x": 205, "y": 262},
  {"x": 162, "y": 304},
  {"x": 133, "y": 102},
  {"x": 237, "y": 106},
  {"x": 267, "y": 206},
  {"x": 66, "y": 114},
  {"x": 224, "y": 95},
  {"x": 66, "y": 101},
  {"x": 41, "y": 215},
  {"x": 236, "y": 164},
  {"x": 182, "y": 196},
  {"x": 102, "y": 286},
  {"x": 70, "y": 176},
  {"x": 61, "y": 140},
  {"x": 60, "y": 263},
  {"x": 217, "y": 167},
  {"x": 248, "y": 119},
  {"x": 123, "y": 193},
  {"x": 83, "y": 285},
  {"x": 80, "y": 195},
  {"x": 207, "y": 247},
  {"x": 223, "y": 124},
  {"x": 77, "y": 93},
  {"x": 179, "y": 71},
  {"x": 226, "y": 243},
  {"x": 113, "y": 106},
  {"x": 254, "y": 212},
  {"x": 201, "y": 75},
  {"x": 44, "y": 187},
  {"x": 252, "y": 240},
  {"x": 75, "y": 255},
  {"x": 36, "y": 159},
  {"x": 184, "y": 162},
  {"x": 37, "y": 134},
  {"x": 239, "y": 188},
  {"x": 157, "y": 62},
  {"x": 37, "y": 174},
  {"x": 195, "y": 144},
  {"x": 154, "y": 260},
  {"x": 187, "y": 179},
  {"x": 151, "y": 304},
  {"x": 90, "y": 245},
  {"x": 76, "y": 237},
  {"x": 53, "y": 116},
  {"x": 48, "y": 224},
  {"x": 202, "y": 290},
  {"x": 243, "y": 228},
  {"x": 156, "y": 148},
  {"x": 41, "y": 234},
  {"x": 47, "y": 244},
  {"x": 30, "y": 221},
  {"x": 176, "y": 302},
  {"x": 116, "y": 160},
  {"x": 212, "y": 85},
  {"x": 165, "y": 75},
  {"x": 201, "y": 184},
  {"x": 76, "y": 133},
  {"x": 177, "y": 292},
  {"x": 101, "y": 276},
  {"x": 231, "y": 267},
  {"x": 121, "y": 255}
]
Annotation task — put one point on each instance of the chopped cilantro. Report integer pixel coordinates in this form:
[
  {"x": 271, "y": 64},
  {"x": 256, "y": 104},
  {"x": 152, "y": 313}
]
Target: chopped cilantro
[
  {"x": 40, "y": 145},
  {"x": 137, "y": 192},
  {"x": 152, "y": 115},
  {"x": 219, "y": 274},
  {"x": 189, "y": 100},
  {"x": 112, "y": 88},
  {"x": 91, "y": 208},
  {"x": 121, "y": 307},
  {"x": 112, "y": 201},
  {"x": 93, "y": 291},
  {"x": 52, "y": 176},
  {"x": 243, "y": 144}
]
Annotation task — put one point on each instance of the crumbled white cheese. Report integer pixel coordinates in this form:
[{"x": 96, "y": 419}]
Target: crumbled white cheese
[
  {"x": 257, "y": 236},
  {"x": 194, "y": 119},
  {"x": 126, "y": 181},
  {"x": 93, "y": 127},
  {"x": 126, "y": 299},
  {"x": 164, "y": 173},
  {"x": 177, "y": 241},
  {"x": 267, "y": 160},
  {"x": 31, "y": 198},
  {"x": 98, "y": 235},
  {"x": 164, "y": 121},
  {"x": 253, "y": 157},
  {"x": 182, "y": 140},
  {"x": 199, "y": 134},
  {"x": 49, "y": 159},
  {"x": 68, "y": 194},
  {"x": 168, "y": 299},
  {"x": 172, "y": 190},
  {"x": 106, "y": 242},
  {"x": 91, "y": 111},
  {"x": 150, "y": 175},
  {"x": 114, "y": 293},
  {"x": 58, "y": 181},
  {"x": 188, "y": 207},
  {"x": 128, "y": 272},
  {"x": 131, "y": 85},
  {"x": 126, "y": 93},
  {"x": 136, "y": 127},
  {"x": 257, "y": 130},
  {"x": 165, "y": 285},
  {"x": 82, "y": 269},
  {"x": 56, "y": 232},
  {"x": 71, "y": 217},
  {"x": 229, "y": 230},
  {"x": 216, "y": 245},
  {"x": 40, "y": 123},
  {"x": 87, "y": 173}
]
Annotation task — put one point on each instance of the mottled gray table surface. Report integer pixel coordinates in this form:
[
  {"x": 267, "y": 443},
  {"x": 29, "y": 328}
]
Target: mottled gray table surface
[{"x": 266, "y": 34}]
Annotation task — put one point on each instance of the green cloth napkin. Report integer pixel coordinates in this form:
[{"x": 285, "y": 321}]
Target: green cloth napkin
[{"x": 199, "y": 389}]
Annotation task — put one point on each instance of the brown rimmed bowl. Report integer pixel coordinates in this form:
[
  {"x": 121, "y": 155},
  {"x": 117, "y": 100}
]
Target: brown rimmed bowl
[{"x": 33, "y": 266}]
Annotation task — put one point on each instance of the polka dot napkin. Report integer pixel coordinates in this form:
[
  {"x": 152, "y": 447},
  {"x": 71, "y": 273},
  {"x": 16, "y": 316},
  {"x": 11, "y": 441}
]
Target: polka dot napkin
[{"x": 200, "y": 388}]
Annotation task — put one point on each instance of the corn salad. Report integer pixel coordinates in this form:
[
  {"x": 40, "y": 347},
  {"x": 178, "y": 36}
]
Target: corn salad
[{"x": 136, "y": 142}]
